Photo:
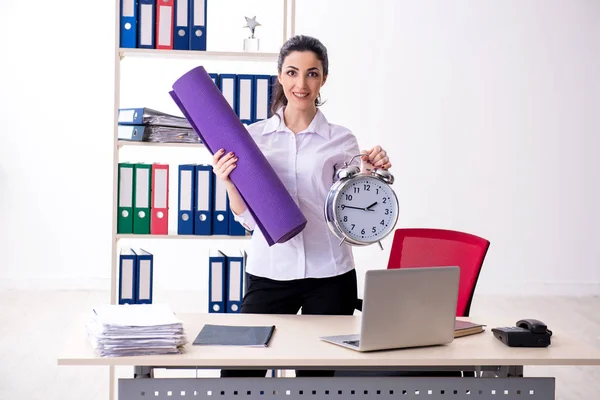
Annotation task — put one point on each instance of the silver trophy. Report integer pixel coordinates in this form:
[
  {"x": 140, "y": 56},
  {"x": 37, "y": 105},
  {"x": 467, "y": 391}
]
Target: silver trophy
[{"x": 251, "y": 43}]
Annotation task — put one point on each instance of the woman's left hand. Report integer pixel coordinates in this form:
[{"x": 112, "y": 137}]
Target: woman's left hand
[{"x": 377, "y": 157}]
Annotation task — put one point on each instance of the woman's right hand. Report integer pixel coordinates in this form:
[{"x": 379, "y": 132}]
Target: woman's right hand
[{"x": 224, "y": 164}]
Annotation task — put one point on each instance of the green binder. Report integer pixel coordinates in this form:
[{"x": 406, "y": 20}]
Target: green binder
[
  {"x": 141, "y": 198},
  {"x": 126, "y": 183}
]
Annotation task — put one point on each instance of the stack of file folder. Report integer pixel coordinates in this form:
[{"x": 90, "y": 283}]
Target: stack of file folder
[
  {"x": 148, "y": 125},
  {"x": 135, "y": 330}
]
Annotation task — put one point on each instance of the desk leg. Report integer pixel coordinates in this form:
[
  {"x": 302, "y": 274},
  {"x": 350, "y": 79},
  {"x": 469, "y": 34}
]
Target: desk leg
[{"x": 407, "y": 388}]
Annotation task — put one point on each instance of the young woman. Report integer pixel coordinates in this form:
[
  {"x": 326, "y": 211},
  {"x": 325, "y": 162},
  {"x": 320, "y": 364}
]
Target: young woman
[{"x": 311, "y": 271}]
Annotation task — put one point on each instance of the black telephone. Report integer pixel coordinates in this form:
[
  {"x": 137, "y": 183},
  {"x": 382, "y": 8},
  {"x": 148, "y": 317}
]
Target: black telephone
[{"x": 526, "y": 333}]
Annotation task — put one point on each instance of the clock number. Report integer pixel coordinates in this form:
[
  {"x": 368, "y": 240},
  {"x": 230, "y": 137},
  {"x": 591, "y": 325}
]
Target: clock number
[
  {"x": 353, "y": 225},
  {"x": 377, "y": 191},
  {"x": 384, "y": 200},
  {"x": 349, "y": 197},
  {"x": 345, "y": 218},
  {"x": 387, "y": 211},
  {"x": 374, "y": 230},
  {"x": 362, "y": 232},
  {"x": 356, "y": 190},
  {"x": 382, "y": 223},
  {"x": 367, "y": 187}
]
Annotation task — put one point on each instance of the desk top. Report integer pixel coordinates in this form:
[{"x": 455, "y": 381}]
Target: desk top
[{"x": 296, "y": 343}]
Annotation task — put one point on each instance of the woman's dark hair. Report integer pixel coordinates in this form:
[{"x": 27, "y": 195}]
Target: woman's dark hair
[{"x": 297, "y": 43}]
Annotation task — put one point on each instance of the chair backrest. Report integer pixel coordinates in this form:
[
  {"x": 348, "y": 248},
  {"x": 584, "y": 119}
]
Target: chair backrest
[{"x": 425, "y": 247}]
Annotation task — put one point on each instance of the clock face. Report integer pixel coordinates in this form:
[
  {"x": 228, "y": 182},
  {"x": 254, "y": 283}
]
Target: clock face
[{"x": 366, "y": 209}]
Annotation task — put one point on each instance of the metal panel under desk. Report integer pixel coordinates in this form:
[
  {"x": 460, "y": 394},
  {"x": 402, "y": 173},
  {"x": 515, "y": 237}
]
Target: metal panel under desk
[{"x": 423, "y": 388}]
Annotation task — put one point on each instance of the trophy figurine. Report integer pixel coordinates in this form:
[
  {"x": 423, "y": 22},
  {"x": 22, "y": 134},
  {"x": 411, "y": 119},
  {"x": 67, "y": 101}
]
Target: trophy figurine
[{"x": 251, "y": 43}]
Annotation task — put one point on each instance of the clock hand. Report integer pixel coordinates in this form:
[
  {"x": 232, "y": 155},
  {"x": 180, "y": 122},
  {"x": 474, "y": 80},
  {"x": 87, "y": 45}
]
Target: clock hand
[
  {"x": 369, "y": 208},
  {"x": 356, "y": 208}
]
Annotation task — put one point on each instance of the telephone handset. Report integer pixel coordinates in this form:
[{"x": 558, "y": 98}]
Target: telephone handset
[
  {"x": 533, "y": 325},
  {"x": 526, "y": 333}
]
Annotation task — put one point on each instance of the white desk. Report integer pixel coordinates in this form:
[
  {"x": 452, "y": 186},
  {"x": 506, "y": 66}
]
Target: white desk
[{"x": 295, "y": 344}]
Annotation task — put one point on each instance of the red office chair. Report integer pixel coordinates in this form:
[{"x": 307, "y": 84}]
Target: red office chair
[{"x": 422, "y": 247}]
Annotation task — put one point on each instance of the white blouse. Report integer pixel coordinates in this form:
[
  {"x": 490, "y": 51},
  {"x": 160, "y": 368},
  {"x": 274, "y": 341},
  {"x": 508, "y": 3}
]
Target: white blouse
[{"x": 306, "y": 163}]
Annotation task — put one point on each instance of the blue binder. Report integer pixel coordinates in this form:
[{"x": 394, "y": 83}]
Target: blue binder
[
  {"x": 220, "y": 211},
  {"x": 127, "y": 277},
  {"x": 131, "y": 132},
  {"x": 146, "y": 24},
  {"x": 128, "y": 24},
  {"x": 186, "y": 199},
  {"x": 144, "y": 275},
  {"x": 228, "y": 86},
  {"x": 181, "y": 26},
  {"x": 245, "y": 98},
  {"x": 262, "y": 97},
  {"x": 197, "y": 24},
  {"x": 215, "y": 78},
  {"x": 236, "y": 265},
  {"x": 235, "y": 228},
  {"x": 217, "y": 278},
  {"x": 272, "y": 89},
  {"x": 203, "y": 206}
]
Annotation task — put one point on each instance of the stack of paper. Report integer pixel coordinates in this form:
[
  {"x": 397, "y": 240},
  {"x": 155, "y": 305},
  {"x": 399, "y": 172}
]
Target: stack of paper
[{"x": 135, "y": 329}]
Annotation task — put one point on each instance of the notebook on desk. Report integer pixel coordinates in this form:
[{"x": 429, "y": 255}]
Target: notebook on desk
[
  {"x": 231, "y": 335},
  {"x": 405, "y": 307},
  {"x": 466, "y": 328}
]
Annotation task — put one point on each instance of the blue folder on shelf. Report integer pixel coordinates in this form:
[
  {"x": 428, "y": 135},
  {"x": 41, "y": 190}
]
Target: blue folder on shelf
[
  {"x": 245, "y": 98},
  {"x": 215, "y": 78},
  {"x": 127, "y": 277},
  {"x": 198, "y": 29},
  {"x": 217, "y": 278},
  {"x": 228, "y": 86},
  {"x": 181, "y": 26},
  {"x": 146, "y": 24},
  {"x": 220, "y": 211},
  {"x": 187, "y": 191},
  {"x": 203, "y": 207},
  {"x": 235, "y": 228},
  {"x": 128, "y": 24},
  {"x": 262, "y": 97},
  {"x": 236, "y": 265},
  {"x": 144, "y": 275}
]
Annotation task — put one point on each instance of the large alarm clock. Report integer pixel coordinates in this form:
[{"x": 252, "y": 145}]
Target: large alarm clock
[{"x": 361, "y": 208}]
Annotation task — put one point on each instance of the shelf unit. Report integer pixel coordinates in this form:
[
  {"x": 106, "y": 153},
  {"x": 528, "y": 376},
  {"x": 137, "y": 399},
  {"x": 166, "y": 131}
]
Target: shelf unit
[
  {"x": 121, "y": 143},
  {"x": 204, "y": 55},
  {"x": 120, "y": 54},
  {"x": 179, "y": 237}
]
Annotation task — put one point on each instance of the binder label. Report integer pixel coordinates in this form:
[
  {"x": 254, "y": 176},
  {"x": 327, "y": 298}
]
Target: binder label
[{"x": 185, "y": 203}]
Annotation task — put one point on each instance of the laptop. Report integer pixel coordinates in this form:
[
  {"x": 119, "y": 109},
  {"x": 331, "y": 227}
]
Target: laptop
[{"x": 405, "y": 307}]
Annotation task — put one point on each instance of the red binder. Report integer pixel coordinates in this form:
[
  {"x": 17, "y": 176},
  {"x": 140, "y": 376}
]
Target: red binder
[
  {"x": 159, "y": 223},
  {"x": 164, "y": 24}
]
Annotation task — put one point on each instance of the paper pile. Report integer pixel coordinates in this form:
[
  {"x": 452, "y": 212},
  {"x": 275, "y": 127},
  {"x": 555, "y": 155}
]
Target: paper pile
[{"x": 135, "y": 329}]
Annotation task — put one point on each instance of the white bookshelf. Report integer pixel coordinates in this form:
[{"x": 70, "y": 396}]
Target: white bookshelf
[
  {"x": 179, "y": 237},
  {"x": 135, "y": 143},
  {"x": 199, "y": 55},
  {"x": 149, "y": 55}
]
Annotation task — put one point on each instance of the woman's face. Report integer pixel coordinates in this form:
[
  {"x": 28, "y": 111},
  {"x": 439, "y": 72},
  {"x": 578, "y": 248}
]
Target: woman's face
[{"x": 301, "y": 78}]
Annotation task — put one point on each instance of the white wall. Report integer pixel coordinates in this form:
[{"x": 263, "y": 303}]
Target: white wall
[{"x": 488, "y": 109}]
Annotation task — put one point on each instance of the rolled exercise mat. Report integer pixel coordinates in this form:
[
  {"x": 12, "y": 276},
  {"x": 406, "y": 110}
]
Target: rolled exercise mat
[{"x": 211, "y": 116}]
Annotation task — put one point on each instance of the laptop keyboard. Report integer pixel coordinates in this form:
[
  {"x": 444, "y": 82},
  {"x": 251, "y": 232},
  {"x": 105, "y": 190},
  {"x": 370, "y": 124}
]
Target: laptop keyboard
[{"x": 353, "y": 342}]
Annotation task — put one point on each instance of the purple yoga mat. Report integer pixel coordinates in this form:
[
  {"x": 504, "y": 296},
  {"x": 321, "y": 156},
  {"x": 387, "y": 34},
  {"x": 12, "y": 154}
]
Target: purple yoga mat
[{"x": 211, "y": 116}]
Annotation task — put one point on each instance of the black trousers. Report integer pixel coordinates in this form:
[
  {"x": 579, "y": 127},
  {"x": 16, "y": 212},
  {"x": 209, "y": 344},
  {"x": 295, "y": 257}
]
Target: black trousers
[{"x": 314, "y": 296}]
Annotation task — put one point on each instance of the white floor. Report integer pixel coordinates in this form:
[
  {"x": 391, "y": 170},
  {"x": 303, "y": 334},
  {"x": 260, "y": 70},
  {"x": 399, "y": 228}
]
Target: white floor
[{"x": 34, "y": 322}]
